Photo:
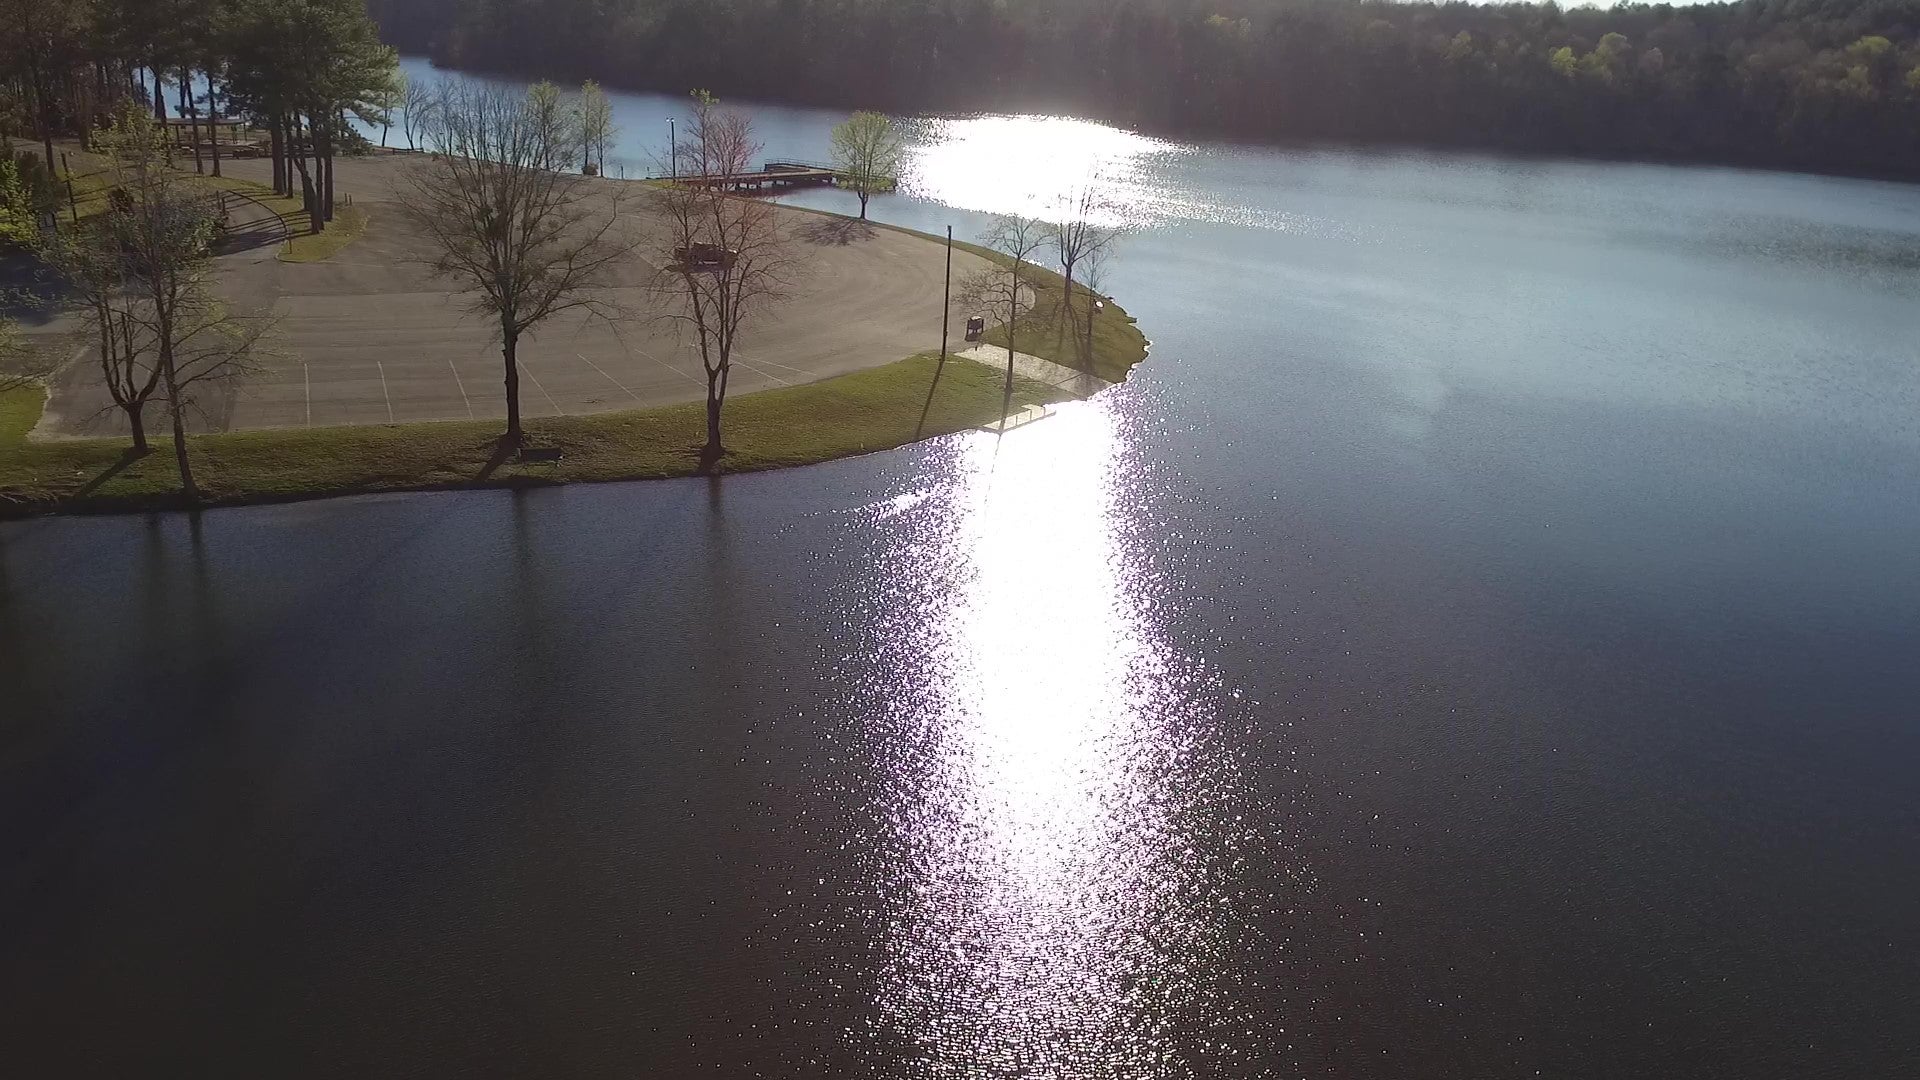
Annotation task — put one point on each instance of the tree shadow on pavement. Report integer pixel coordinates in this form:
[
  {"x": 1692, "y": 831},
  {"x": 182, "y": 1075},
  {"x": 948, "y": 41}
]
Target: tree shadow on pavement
[
  {"x": 835, "y": 231},
  {"x": 250, "y": 235}
]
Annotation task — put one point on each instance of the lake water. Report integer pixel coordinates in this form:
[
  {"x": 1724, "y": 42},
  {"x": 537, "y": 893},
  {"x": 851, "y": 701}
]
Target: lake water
[{"x": 1480, "y": 642}]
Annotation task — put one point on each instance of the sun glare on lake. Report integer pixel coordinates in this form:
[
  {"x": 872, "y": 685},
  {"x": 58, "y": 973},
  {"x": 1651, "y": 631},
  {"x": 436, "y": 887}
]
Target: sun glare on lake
[{"x": 1033, "y": 164}]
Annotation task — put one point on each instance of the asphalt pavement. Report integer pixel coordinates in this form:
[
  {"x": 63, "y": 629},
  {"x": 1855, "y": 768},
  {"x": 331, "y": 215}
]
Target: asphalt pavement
[{"x": 371, "y": 336}]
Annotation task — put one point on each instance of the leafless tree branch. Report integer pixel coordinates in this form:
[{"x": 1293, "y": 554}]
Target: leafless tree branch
[
  {"x": 723, "y": 257},
  {"x": 141, "y": 272},
  {"x": 523, "y": 239},
  {"x": 1004, "y": 286},
  {"x": 21, "y": 361},
  {"x": 1080, "y": 231}
]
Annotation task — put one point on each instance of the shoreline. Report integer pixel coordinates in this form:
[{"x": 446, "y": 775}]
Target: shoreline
[
  {"x": 1226, "y": 135},
  {"x": 867, "y": 411}
]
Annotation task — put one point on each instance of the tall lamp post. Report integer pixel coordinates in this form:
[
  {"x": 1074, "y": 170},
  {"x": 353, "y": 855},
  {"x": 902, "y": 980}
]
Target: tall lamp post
[
  {"x": 673, "y": 151},
  {"x": 946, "y": 298}
]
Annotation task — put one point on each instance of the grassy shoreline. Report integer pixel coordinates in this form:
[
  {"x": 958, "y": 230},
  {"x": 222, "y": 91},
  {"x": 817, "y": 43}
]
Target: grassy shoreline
[
  {"x": 856, "y": 413},
  {"x": 1118, "y": 343}
]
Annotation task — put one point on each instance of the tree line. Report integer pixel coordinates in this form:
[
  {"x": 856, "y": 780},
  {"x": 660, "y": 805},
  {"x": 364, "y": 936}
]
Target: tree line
[
  {"x": 296, "y": 69},
  {"x": 138, "y": 277},
  {"x": 1828, "y": 85}
]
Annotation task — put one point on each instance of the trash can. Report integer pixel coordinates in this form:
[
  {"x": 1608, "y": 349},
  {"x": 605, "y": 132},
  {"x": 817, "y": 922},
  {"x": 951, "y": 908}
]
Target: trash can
[{"x": 975, "y": 327}]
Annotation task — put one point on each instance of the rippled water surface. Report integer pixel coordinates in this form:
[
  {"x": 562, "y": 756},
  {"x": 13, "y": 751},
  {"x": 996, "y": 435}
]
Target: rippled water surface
[{"x": 1480, "y": 642}]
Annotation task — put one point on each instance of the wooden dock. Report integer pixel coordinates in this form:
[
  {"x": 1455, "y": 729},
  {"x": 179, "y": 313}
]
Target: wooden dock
[
  {"x": 774, "y": 176},
  {"x": 1018, "y": 418}
]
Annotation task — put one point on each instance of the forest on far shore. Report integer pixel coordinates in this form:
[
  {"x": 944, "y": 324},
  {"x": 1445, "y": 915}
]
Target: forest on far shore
[{"x": 1826, "y": 85}]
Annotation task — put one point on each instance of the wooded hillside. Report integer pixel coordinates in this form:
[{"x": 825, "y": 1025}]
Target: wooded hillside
[{"x": 1815, "y": 84}]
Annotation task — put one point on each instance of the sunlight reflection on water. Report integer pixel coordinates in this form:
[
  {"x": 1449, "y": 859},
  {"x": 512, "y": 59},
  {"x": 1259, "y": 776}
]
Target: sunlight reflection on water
[
  {"x": 1038, "y": 166},
  {"x": 995, "y": 164},
  {"x": 1033, "y": 164},
  {"x": 1047, "y": 910}
]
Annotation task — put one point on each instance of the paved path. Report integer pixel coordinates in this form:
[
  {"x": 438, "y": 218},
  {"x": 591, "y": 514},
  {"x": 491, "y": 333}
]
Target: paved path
[
  {"x": 371, "y": 337},
  {"x": 1076, "y": 382}
]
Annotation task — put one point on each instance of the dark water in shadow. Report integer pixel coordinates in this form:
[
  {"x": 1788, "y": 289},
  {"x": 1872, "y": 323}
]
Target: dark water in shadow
[{"x": 1480, "y": 643}]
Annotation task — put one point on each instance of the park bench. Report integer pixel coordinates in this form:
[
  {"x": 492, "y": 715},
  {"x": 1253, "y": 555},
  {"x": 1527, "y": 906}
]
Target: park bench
[{"x": 700, "y": 255}]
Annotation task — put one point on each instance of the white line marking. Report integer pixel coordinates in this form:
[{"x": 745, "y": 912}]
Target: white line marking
[
  {"x": 609, "y": 378},
  {"x": 383, "y": 389},
  {"x": 543, "y": 390},
  {"x": 669, "y": 367},
  {"x": 308, "y": 376},
  {"x": 463, "y": 388},
  {"x": 740, "y": 358}
]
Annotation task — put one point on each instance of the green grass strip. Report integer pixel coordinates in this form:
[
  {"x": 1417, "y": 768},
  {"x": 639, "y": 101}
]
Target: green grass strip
[
  {"x": 860, "y": 412},
  {"x": 856, "y": 413}
]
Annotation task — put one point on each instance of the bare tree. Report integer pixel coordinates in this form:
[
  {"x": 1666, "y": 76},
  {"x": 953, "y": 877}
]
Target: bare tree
[
  {"x": 866, "y": 153},
  {"x": 725, "y": 257},
  {"x": 1077, "y": 235},
  {"x": 418, "y": 105},
  {"x": 1093, "y": 272},
  {"x": 524, "y": 240},
  {"x": 1005, "y": 285},
  {"x": 122, "y": 344},
  {"x": 143, "y": 276}
]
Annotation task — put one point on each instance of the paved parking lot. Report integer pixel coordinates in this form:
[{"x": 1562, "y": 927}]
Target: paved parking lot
[{"x": 370, "y": 337}]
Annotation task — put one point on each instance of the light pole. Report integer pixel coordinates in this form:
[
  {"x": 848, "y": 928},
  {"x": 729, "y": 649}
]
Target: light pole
[
  {"x": 673, "y": 151},
  {"x": 946, "y": 298}
]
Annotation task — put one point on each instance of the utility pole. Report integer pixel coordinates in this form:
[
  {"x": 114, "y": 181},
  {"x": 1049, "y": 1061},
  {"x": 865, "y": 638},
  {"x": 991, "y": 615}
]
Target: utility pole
[
  {"x": 946, "y": 299},
  {"x": 673, "y": 151}
]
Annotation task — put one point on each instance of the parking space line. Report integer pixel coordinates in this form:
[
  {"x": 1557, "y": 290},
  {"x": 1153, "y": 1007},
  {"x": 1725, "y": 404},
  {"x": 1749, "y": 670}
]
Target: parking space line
[
  {"x": 738, "y": 360},
  {"x": 609, "y": 378},
  {"x": 383, "y": 389},
  {"x": 775, "y": 363},
  {"x": 528, "y": 368},
  {"x": 463, "y": 389},
  {"x": 644, "y": 353}
]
